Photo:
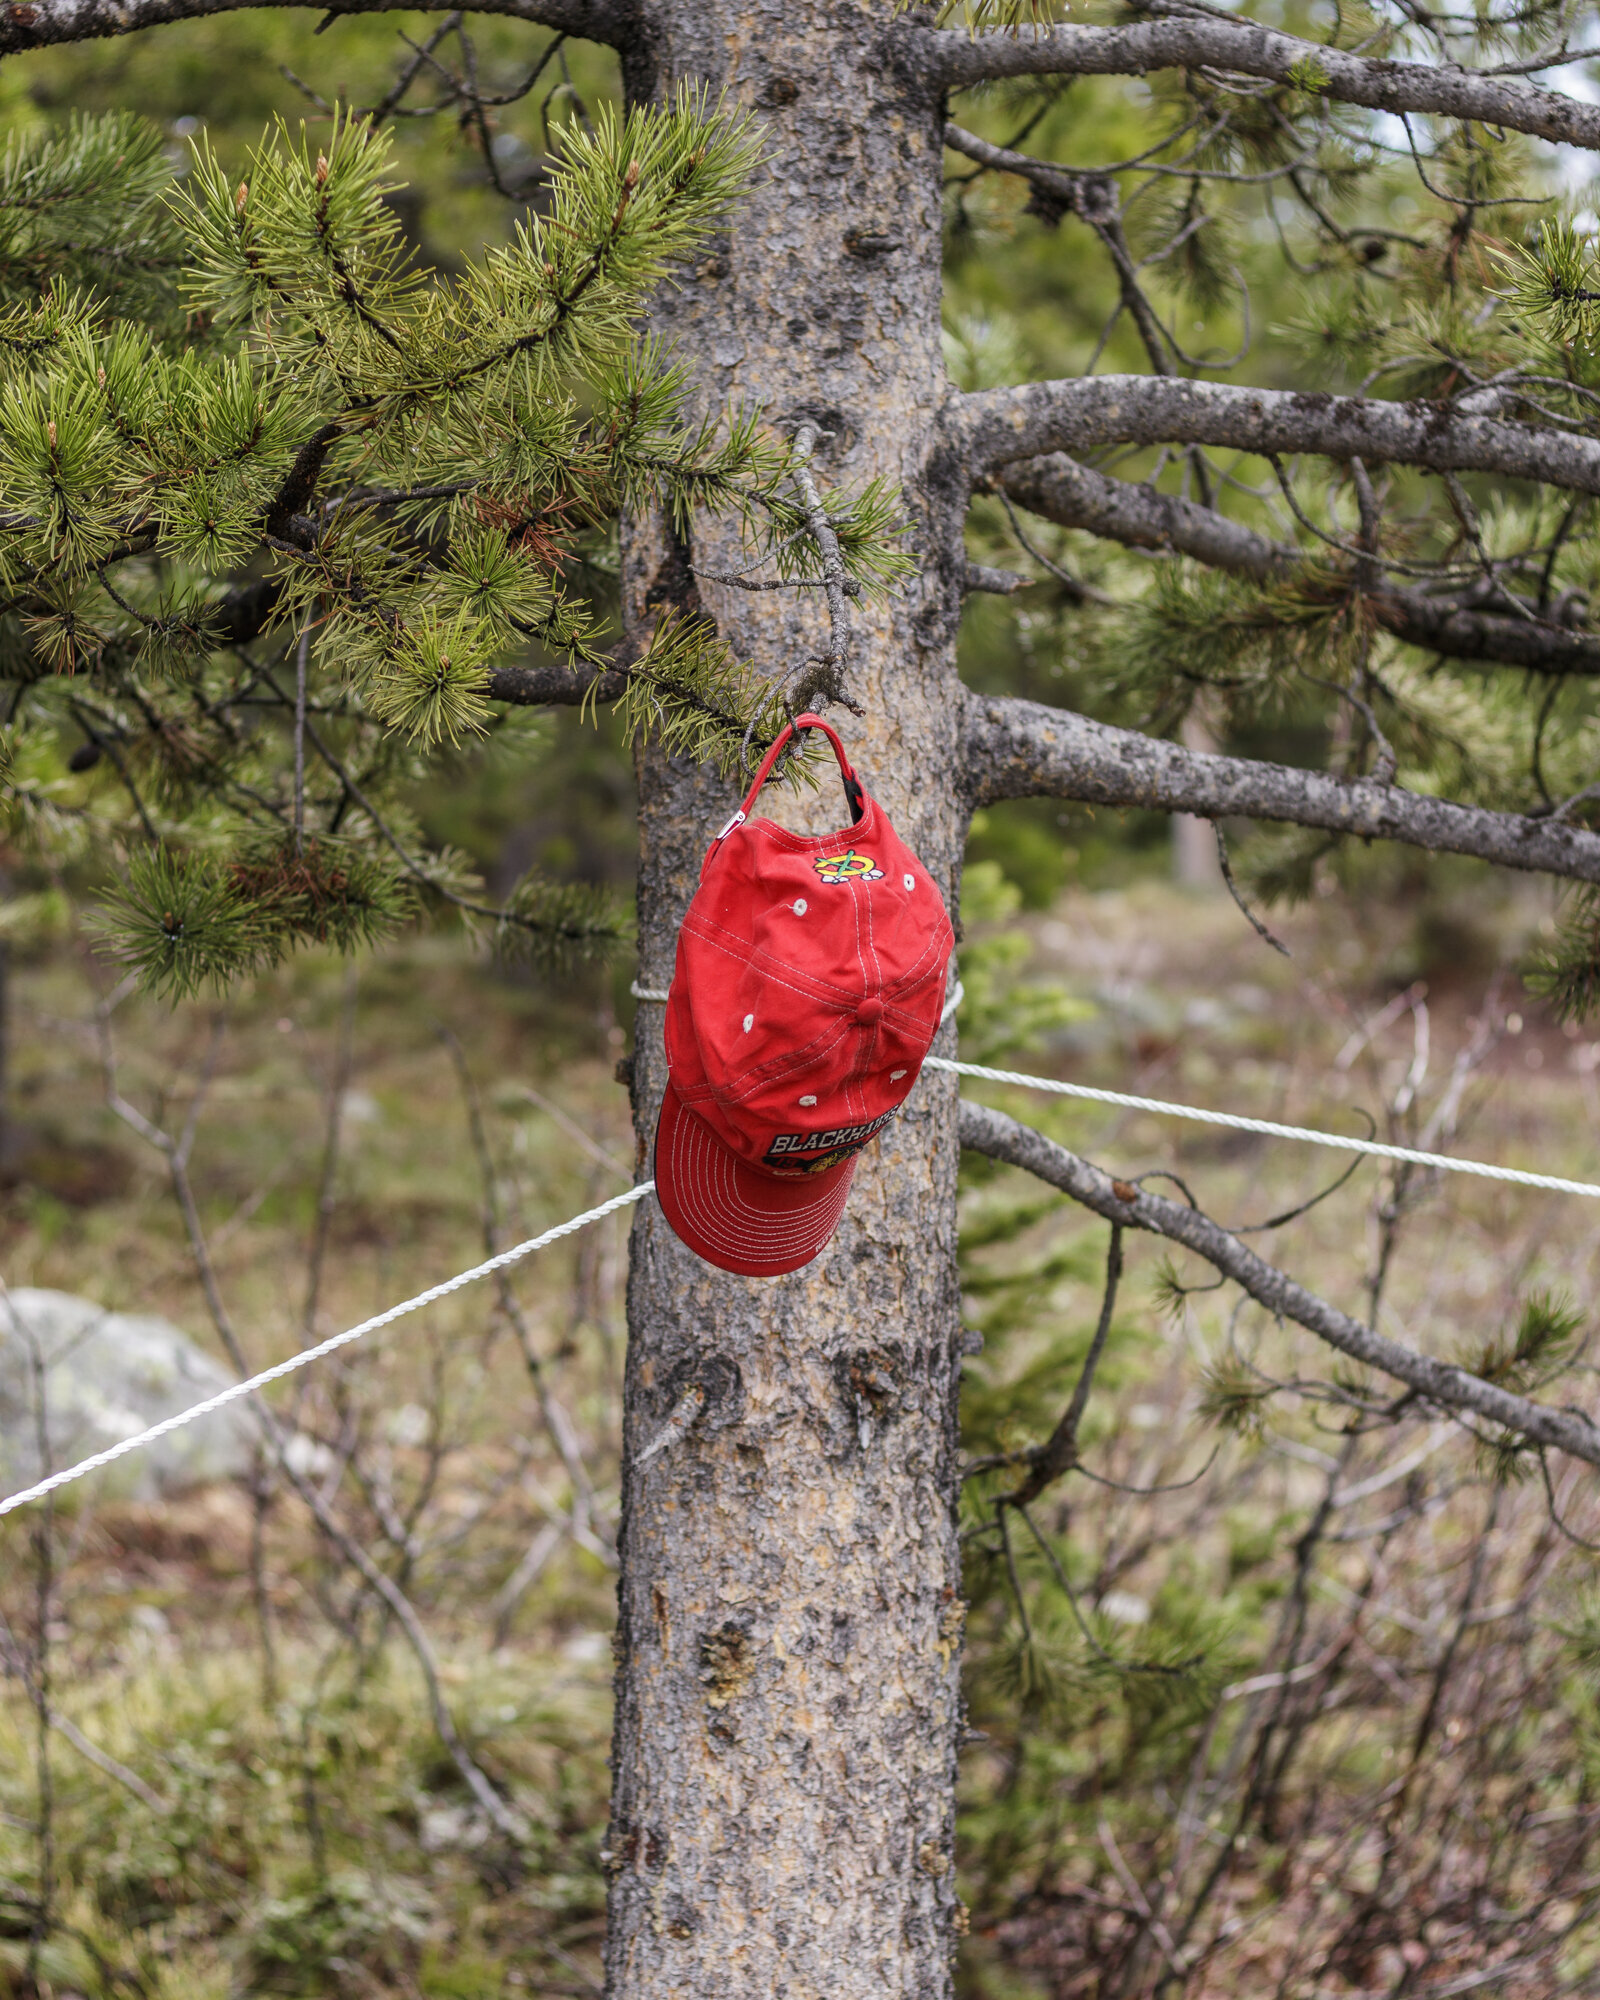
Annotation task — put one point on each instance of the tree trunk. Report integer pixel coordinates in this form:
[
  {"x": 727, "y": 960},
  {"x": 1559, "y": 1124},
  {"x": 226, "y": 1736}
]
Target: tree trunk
[
  {"x": 790, "y": 1616},
  {"x": 1194, "y": 841}
]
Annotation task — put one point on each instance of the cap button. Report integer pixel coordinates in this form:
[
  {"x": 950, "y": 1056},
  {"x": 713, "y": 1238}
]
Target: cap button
[{"x": 869, "y": 1013}]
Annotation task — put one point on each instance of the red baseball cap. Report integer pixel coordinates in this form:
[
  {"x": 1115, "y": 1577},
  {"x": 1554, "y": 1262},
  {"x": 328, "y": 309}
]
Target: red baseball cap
[{"x": 809, "y": 986}]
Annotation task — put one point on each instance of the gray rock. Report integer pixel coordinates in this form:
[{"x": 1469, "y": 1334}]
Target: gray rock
[{"x": 106, "y": 1376}]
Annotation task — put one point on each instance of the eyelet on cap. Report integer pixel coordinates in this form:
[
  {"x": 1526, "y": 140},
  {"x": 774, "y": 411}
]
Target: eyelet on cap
[
  {"x": 799, "y": 906},
  {"x": 749, "y": 1022},
  {"x": 808, "y": 1100},
  {"x": 911, "y": 881}
]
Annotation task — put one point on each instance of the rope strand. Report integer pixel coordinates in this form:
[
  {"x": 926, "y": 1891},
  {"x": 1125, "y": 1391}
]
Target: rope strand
[
  {"x": 1235, "y": 1121},
  {"x": 237, "y": 1389},
  {"x": 1267, "y": 1127}
]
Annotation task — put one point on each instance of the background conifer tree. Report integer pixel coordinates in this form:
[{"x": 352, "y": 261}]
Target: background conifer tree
[{"x": 256, "y": 422}]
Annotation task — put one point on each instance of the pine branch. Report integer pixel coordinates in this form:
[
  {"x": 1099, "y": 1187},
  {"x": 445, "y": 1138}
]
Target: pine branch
[
  {"x": 993, "y": 428},
  {"x": 1211, "y": 41},
  {"x": 1092, "y": 197},
  {"x": 565, "y": 687},
  {"x": 1023, "y": 749},
  {"x": 47, "y": 23},
  {"x": 1139, "y": 516},
  {"x": 1448, "y": 1387}
]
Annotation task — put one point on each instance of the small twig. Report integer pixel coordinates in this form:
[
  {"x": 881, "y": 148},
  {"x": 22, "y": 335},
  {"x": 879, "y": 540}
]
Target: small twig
[
  {"x": 1170, "y": 1670},
  {"x": 301, "y": 656},
  {"x": 44, "y": 1537},
  {"x": 377, "y": 1579},
  {"x": 333, "y": 1134},
  {"x": 1081, "y": 593},
  {"x": 1388, "y": 763},
  {"x": 1237, "y": 894},
  {"x": 736, "y": 581},
  {"x": 1059, "y": 1453},
  {"x": 1558, "y": 813},
  {"x": 1304, "y": 1207},
  {"x": 837, "y": 581},
  {"x": 574, "y": 1130},
  {"x": 1166, "y": 1486},
  {"x": 522, "y": 1579},
  {"x": 1011, "y": 1570},
  {"x": 375, "y": 114},
  {"x": 556, "y": 1420}
]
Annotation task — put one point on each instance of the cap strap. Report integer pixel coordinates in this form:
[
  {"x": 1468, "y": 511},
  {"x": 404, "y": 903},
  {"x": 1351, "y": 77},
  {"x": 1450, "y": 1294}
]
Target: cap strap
[{"x": 855, "y": 796}]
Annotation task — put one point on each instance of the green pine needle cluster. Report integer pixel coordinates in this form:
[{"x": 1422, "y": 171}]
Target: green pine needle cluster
[
  {"x": 82, "y": 211},
  {"x": 689, "y": 692},
  {"x": 1234, "y": 1397},
  {"x": 189, "y": 922},
  {"x": 1542, "y": 1344},
  {"x": 1565, "y": 973},
  {"x": 1555, "y": 284},
  {"x": 558, "y": 925},
  {"x": 247, "y": 441}
]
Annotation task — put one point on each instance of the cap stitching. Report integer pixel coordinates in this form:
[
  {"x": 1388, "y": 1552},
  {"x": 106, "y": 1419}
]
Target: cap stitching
[
  {"x": 779, "y": 974},
  {"x": 801, "y": 843},
  {"x": 710, "y": 932},
  {"x": 697, "y": 1162}
]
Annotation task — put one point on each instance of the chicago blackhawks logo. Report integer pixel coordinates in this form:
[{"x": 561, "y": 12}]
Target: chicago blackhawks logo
[{"x": 848, "y": 867}]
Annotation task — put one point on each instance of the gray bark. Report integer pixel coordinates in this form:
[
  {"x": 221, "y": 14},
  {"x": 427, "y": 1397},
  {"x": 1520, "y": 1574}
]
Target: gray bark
[
  {"x": 42, "y": 24},
  {"x": 1442, "y": 1382},
  {"x": 1205, "y": 41},
  {"x": 1024, "y": 749},
  {"x": 787, "y": 1689},
  {"x": 1142, "y": 517},
  {"x": 996, "y": 427}
]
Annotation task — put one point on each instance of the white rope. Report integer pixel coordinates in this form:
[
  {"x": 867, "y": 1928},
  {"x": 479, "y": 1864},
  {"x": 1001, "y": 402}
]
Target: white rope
[
  {"x": 237, "y": 1389},
  {"x": 1267, "y": 1127}
]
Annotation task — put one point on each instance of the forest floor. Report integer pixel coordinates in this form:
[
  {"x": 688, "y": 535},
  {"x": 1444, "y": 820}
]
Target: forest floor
[{"x": 293, "y": 1824}]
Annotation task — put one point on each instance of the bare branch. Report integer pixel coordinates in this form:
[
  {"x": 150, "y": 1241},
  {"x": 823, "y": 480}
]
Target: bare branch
[
  {"x": 276, "y": 1440},
  {"x": 1000, "y": 582},
  {"x": 1092, "y": 197},
  {"x": 996, "y": 427},
  {"x": 1209, "y": 41},
  {"x": 990, "y": 1132},
  {"x": 1024, "y": 749},
  {"x": 555, "y": 686},
  {"x": 841, "y": 588},
  {"x": 1075, "y": 496},
  {"x": 1138, "y": 516},
  {"x": 1059, "y": 1452},
  {"x": 47, "y": 23},
  {"x": 13, "y": 1659}
]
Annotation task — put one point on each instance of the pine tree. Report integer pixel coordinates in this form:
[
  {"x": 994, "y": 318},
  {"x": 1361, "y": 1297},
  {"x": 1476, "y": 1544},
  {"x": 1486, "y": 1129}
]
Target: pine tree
[
  {"x": 278, "y": 503},
  {"x": 1394, "y": 552}
]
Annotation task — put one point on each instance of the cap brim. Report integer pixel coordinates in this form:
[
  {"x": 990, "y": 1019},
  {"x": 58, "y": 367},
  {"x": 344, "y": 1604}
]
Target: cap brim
[{"x": 732, "y": 1214}]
